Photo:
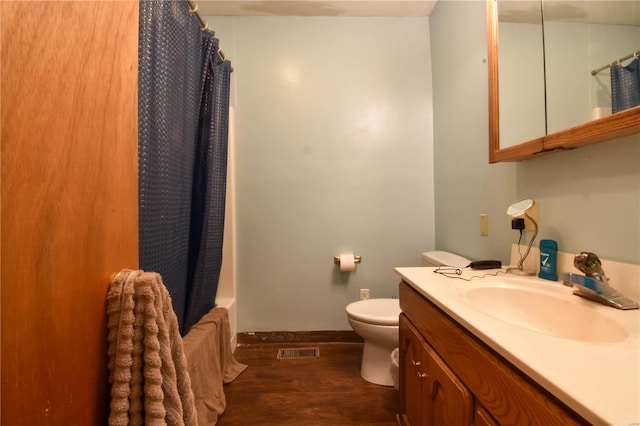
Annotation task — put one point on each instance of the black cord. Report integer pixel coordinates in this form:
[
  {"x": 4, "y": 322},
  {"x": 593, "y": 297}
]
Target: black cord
[
  {"x": 519, "y": 241},
  {"x": 453, "y": 272}
]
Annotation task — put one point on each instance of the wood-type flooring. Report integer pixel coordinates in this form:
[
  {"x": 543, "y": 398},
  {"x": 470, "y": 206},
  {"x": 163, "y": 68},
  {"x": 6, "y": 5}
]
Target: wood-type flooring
[{"x": 327, "y": 390}]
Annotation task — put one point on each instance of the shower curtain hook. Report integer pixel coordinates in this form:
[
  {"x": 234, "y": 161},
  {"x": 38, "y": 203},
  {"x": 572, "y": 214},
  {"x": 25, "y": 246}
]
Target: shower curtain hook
[
  {"x": 194, "y": 9},
  {"x": 206, "y": 26}
]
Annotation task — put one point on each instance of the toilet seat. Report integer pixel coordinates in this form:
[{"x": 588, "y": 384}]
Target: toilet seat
[{"x": 375, "y": 311}]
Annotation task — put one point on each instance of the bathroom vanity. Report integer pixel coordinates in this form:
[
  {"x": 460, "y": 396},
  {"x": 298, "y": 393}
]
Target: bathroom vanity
[{"x": 463, "y": 362}]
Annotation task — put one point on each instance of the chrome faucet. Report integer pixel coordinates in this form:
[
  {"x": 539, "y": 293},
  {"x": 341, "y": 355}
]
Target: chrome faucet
[{"x": 594, "y": 284}]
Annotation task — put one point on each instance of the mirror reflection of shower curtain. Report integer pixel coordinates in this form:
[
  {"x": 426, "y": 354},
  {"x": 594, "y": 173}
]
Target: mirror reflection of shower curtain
[
  {"x": 625, "y": 86},
  {"x": 181, "y": 155}
]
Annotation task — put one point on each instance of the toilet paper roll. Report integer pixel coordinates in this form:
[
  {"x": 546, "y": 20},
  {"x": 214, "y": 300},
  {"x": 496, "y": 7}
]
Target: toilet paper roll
[{"x": 347, "y": 262}]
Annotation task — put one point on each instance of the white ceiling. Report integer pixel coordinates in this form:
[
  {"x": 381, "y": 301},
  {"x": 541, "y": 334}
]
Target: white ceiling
[
  {"x": 404, "y": 8},
  {"x": 597, "y": 11}
]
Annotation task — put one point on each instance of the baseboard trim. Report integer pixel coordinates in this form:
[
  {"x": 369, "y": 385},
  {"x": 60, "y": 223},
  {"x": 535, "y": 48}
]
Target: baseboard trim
[{"x": 338, "y": 336}]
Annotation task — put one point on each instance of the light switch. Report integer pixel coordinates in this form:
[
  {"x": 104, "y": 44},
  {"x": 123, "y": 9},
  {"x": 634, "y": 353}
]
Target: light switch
[{"x": 484, "y": 224}]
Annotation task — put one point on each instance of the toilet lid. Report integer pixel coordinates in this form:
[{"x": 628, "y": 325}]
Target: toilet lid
[{"x": 375, "y": 311}]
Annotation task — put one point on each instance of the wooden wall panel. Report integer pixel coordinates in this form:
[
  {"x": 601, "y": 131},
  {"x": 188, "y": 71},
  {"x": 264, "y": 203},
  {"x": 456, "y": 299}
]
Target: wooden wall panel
[{"x": 69, "y": 197}]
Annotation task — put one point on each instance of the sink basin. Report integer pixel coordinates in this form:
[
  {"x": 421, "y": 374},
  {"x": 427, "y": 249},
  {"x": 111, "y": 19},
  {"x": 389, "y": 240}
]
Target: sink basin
[{"x": 545, "y": 313}]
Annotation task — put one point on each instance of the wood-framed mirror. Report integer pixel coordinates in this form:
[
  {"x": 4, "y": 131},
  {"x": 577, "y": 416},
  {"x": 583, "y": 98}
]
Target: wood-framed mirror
[{"x": 594, "y": 130}]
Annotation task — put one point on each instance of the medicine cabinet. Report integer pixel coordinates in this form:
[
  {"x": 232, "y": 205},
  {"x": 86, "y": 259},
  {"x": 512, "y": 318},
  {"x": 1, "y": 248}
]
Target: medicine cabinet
[{"x": 533, "y": 111}]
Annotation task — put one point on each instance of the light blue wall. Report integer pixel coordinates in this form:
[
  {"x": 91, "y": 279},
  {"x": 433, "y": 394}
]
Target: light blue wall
[
  {"x": 466, "y": 185},
  {"x": 589, "y": 198},
  {"x": 334, "y": 152}
]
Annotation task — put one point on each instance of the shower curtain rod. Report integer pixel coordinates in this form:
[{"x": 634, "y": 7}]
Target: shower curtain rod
[
  {"x": 193, "y": 8},
  {"x": 629, "y": 56}
]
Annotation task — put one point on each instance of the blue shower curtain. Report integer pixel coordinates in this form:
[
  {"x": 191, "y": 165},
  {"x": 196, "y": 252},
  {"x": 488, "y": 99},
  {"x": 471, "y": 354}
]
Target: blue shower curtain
[
  {"x": 183, "y": 115},
  {"x": 625, "y": 86},
  {"x": 209, "y": 184}
]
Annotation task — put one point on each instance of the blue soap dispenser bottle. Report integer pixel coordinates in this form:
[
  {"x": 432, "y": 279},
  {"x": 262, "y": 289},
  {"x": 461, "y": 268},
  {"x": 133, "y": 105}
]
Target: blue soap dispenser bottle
[{"x": 548, "y": 260}]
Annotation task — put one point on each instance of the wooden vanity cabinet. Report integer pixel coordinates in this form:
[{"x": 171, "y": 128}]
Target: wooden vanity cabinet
[
  {"x": 411, "y": 371},
  {"x": 449, "y": 377},
  {"x": 481, "y": 417},
  {"x": 434, "y": 395}
]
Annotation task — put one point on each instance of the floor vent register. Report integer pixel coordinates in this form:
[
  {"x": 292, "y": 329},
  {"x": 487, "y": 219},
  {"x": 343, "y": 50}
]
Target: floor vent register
[{"x": 298, "y": 353}]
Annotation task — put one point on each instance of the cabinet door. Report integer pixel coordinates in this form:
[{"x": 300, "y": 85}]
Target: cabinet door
[
  {"x": 450, "y": 402},
  {"x": 481, "y": 417},
  {"x": 430, "y": 393},
  {"x": 411, "y": 374}
]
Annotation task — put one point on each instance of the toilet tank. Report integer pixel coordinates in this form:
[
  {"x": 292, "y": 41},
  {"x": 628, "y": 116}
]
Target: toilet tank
[{"x": 443, "y": 258}]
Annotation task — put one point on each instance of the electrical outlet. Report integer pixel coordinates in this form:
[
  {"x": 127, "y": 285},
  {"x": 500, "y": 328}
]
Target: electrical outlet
[
  {"x": 484, "y": 224},
  {"x": 364, "y": 293},
  {"x": 534, "y": 213}
]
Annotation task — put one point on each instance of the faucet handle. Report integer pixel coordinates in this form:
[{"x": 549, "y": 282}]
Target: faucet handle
[{"x": 590, "y": 265}]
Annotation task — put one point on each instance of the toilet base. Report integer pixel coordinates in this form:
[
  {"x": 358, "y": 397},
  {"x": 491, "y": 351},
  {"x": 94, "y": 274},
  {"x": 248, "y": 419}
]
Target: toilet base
[{"x": 376, "y": 364}]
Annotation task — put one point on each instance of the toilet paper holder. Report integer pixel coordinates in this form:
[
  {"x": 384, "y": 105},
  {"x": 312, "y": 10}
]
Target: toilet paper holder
[{"x": 356, "y": 259}]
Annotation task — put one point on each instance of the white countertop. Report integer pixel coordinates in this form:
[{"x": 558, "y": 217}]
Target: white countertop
[{"x": 600, "y": 381}]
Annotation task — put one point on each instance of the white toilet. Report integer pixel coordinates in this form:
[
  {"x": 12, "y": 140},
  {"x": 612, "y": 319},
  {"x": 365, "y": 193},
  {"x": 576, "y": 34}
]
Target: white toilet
[
  {"x": 376, "y": 321},
  {"x": 443, "y": 258}
]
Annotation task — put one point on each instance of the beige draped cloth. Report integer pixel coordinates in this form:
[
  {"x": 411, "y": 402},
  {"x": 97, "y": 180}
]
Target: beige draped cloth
[
  {"x": 148, "y": 373},
  {"x": 211, "y": 363}
]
